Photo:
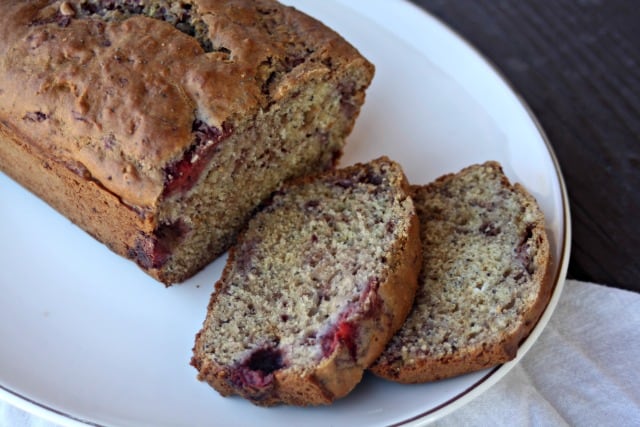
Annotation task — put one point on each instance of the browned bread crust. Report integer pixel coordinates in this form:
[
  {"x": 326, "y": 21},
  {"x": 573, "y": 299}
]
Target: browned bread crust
[
  {"x": 314, "y": 289},
  {"x": 483, "y": 282},
  {"x": 159, "y": 125}
]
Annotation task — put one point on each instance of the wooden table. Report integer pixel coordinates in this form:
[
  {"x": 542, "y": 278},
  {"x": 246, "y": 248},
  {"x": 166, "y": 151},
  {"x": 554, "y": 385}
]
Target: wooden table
[{"x": 577, "y": 64}]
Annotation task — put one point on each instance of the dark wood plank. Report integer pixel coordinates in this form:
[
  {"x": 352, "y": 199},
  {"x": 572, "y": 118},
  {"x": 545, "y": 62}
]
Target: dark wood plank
[{"x": 577, "y": 65}]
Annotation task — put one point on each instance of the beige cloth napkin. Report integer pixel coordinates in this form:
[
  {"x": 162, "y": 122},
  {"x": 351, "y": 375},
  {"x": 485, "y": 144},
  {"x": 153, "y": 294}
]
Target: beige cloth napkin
[{"x": 584, "y": 370}]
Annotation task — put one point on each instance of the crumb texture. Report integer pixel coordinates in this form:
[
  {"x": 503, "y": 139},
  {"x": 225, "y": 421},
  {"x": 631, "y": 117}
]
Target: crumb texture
[
  {"x": 304, "y": 280},
  {"x": 482, "y": 285}
]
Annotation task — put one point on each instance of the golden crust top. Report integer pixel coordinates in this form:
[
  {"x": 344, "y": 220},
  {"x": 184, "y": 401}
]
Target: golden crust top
[{"x": 117, "y": 95}]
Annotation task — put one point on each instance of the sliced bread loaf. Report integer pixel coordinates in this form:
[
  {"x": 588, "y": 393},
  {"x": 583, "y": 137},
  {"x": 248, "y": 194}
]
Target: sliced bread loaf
[
  {"x": 482, "y": 286},
  {"x": 319, "y": 281},
  {"x": 158, "y": 126}
]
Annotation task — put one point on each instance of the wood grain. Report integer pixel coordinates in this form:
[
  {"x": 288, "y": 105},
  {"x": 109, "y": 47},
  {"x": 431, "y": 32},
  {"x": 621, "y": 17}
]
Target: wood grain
[{"x": 577, "y": 64}]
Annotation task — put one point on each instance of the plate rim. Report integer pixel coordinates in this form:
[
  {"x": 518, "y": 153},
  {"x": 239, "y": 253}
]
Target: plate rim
[
  {"x": 494, "y": 374},
  {"x": 497, "y": 373}
]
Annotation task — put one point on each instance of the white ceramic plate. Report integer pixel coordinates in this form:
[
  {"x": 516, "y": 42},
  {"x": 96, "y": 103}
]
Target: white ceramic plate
[{"x": 88, "y": 338}]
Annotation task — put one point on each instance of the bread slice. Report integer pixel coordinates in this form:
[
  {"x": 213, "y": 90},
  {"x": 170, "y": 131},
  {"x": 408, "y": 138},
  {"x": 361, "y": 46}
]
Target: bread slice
[
  {"x": 482, "y": 286},
  {"x": 317, "y": 284}
]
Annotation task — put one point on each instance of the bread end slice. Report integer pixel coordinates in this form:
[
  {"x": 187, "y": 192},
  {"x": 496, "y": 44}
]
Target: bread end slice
[{"x": 483, "y": 283}]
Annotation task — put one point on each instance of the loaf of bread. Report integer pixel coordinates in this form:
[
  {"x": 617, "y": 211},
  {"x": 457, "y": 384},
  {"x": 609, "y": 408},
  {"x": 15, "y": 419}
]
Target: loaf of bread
[
  {"x": 482, "y": 286},
  {"x": 158, "y": 126},
  {"x": 317, "y": 284}
]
